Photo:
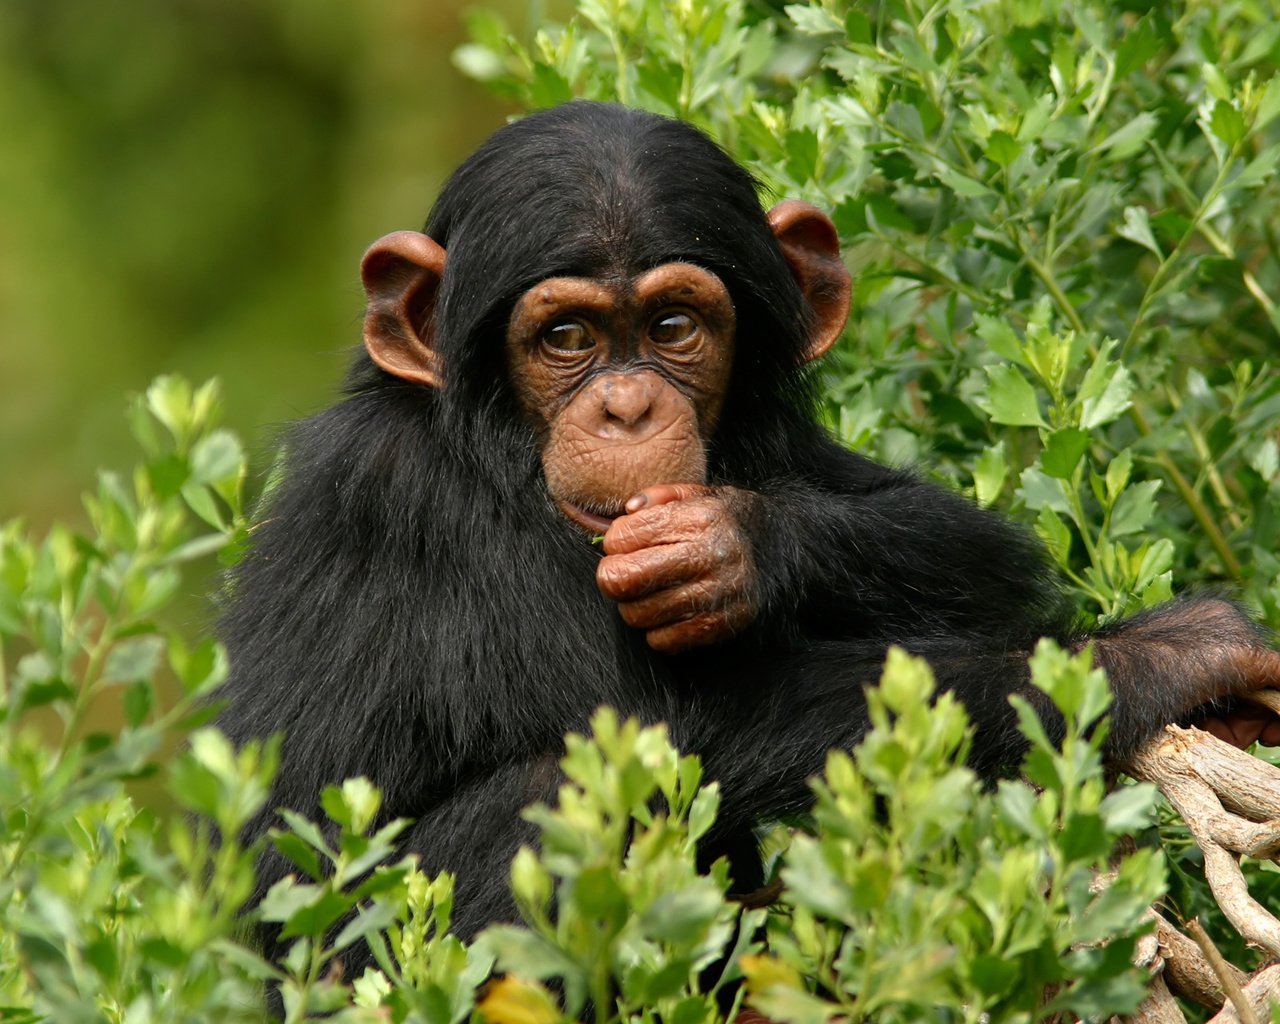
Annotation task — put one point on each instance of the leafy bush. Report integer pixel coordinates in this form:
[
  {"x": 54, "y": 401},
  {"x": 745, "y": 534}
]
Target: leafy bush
[{"x": 1058, "y": 215}]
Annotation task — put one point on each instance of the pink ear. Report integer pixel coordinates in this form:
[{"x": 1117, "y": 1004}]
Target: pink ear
[
  {"x": 812, "y": 250},
  {"x": 402, "y": 274}
]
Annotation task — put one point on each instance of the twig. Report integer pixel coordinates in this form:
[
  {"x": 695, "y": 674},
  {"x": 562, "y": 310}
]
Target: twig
[{"x": 1230, "y": 985}]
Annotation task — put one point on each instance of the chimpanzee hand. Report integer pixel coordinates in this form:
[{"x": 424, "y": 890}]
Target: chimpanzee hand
[
  {"x": 1198, "y": 657},
  {"x": 1244, "y": 723},
  {"x": 679, "y": 565}
]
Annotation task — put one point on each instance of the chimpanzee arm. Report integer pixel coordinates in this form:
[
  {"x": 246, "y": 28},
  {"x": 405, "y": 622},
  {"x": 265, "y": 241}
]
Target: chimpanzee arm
[
  {"x": 889, "y": 556},
  {"x": 873, "y": 551},
  {"x": 982, "y": 580}
]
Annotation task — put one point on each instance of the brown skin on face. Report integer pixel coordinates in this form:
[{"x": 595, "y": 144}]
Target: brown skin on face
[
  {"x": 625, "y": 383},
  {"x": 618, "y": 364}
]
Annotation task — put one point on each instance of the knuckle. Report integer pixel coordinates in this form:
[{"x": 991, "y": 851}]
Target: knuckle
[
  {"x": 636, "y": 616},
  {"x": 614, "y": 575}
]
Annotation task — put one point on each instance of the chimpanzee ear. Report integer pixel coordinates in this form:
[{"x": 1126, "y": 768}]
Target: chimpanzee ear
[
  {"x": 402, "y": 273},
  {"x": 812, "y": 251}
]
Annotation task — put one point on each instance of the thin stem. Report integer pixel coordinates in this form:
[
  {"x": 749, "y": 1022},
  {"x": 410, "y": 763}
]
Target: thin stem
[
  {"x": 1208, "y": 466},
  {"x": 1163, "y": 271},
  {"x": 1054, "y": 289},
  {"x": 1198, "y": 509}
]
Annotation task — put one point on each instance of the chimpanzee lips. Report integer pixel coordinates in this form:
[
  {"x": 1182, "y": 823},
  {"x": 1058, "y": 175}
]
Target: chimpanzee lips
[{"x": 594, "y": 523}]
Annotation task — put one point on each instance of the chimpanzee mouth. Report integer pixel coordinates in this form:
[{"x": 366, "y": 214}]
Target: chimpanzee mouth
[{"x": 595, "y": 522}]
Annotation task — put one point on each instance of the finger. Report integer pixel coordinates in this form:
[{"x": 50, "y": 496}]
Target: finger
[
  {"x": 673, "y": 604},
  {"x": 1238, "y": 733},
  {"x": 664, "y": 494},
  {"x": 700, "y": 631},
  {"x": 1244, "y": 728},
  {"x": 632, "y": 576},
  {"x": 660, "y": 524},
  {"x": 1271, "y": 733}
]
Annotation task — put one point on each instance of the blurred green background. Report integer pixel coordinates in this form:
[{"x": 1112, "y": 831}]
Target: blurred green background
[{"x": 188, "y": 185}]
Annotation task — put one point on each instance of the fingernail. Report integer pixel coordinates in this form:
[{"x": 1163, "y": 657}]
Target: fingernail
[{"x": 636, "y": 503}]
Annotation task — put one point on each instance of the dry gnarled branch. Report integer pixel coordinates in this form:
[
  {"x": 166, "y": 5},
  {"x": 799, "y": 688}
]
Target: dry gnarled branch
[{"x": 1230, "y": 802}]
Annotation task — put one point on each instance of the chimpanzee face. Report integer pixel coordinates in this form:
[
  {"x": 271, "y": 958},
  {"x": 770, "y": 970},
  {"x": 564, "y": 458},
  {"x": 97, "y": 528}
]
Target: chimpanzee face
[{"x": 623, "y": 380}]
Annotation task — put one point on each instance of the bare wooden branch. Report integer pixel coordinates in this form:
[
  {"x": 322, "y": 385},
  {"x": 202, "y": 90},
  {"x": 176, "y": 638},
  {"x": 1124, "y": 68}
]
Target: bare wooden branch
[
  {"x": 1169, "y": 762},
  {"x": 1235, "y": 994},
  {"x": 1260, "y": 993},
  {"x": 1230, "y": 802},
  {"x": 1186, "y": 970}
]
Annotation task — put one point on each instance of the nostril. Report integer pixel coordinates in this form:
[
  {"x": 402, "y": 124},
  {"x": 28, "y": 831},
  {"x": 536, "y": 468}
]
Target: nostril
[{"x": 626, "y": 401}]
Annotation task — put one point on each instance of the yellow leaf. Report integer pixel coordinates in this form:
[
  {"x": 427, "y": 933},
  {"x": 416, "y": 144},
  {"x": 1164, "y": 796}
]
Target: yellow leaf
[
  {"x": 513, "y": 1000},
  {"x": 764, "y": 972}
]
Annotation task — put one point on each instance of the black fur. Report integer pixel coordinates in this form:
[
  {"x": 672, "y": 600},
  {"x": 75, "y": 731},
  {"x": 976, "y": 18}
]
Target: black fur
[{"x": 414, "y": 608}]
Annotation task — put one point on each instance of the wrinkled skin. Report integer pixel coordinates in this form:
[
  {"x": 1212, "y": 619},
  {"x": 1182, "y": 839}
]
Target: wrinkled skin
[{"x": 680, "y": 567}]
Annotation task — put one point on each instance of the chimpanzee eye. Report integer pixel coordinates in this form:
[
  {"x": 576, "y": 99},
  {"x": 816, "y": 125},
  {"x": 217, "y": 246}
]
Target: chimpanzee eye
[
  {"x": 671, "y": 328},
  {"x": 567, "y": 336}
]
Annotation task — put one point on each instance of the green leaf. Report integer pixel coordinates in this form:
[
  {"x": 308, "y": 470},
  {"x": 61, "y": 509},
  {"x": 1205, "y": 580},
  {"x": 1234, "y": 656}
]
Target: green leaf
[
  {"x": 1010, "y": 398},
  {"x": 1227, "y": 123},
  {"x": 1216, "y": 82},
  {"x": 479, "y": 62},
  {"x": 138, "y": 702},
  {"x": 1002, "y": 148},
  {"x": 133, "y": 659},
  {"x": 299, "y": 853},
  {"x": 216, "y": 457},
  {"x": 1038, "y": 490},
  {"x": 1055, "y": 534},
  {"x": 962, "y": 184},
  {"x": 1269, "y": 104},
  {"x": 993, "y": 975},
  {"x": 1063, "y": 452},
  {"x": 169, "y": 399},
  {"x": 813, "y": 21},
  {"x": 1134, "y": 509},
  {"x": 1000, "y": 337},
  {"x": 1137, "y": 228},
  {"x": 376, "y": 918},
  {"x": 1114, "y": 397},
  {"x": 1118, "y": 472},
  {"x": 305, "y": 828},
  {"x": 681, "y": 915},
  {"x": 303, "y": 909},
  {"x": 1126, "y": 141},
  {"x": 989, "y": 472}
]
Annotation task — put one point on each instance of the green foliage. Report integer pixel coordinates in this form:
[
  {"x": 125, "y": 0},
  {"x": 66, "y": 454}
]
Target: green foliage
[
  {"x": 1060, "y": 217},
  {"x": 614, "y": 907},
  {"x": 110, "y": 912}
]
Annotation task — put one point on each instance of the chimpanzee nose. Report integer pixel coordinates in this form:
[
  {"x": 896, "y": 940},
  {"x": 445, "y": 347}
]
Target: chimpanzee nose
[{"x": 627, "y": 399}]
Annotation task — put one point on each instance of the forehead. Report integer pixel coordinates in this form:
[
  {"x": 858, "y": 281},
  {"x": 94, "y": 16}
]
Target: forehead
[{"x": 669, "y": 283}]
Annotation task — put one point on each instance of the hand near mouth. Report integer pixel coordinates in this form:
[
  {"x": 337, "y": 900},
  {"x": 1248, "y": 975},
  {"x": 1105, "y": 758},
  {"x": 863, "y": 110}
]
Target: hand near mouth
[{"x": 679, "y": 566}]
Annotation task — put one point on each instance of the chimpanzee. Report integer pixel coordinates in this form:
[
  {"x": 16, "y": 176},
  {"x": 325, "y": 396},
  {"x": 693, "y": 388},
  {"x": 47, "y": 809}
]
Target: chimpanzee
[{"x": 601, "y": 333}]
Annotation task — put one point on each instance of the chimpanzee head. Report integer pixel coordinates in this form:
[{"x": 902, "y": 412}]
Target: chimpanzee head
[{"x": 612, "y": 274}]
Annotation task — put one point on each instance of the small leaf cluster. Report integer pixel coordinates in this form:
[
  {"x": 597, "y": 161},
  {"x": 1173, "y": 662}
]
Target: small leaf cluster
[
  {"x": 1060, "y": 219},
  {"x": 923, "y": 890},
  {"x": 615, "y": 911},
  {"x": 350, "y": 887}
]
